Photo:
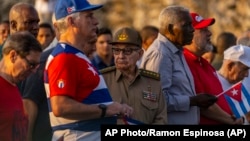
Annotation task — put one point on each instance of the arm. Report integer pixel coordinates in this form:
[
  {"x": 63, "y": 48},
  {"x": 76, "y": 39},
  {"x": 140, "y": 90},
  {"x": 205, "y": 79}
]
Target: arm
[
  {"x": 203, "y": 100},
  {"x": 65, "y": 100},
  {"x": 63, "y": 106},
  {"x": 31, "y": 110},
  {"x": 216, "y": 113}
]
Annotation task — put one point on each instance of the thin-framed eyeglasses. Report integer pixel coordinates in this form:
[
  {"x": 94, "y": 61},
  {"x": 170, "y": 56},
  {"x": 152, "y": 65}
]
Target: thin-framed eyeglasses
[
  {"x": 31, "y": 64},
  {"x": 125, "y": 51}
]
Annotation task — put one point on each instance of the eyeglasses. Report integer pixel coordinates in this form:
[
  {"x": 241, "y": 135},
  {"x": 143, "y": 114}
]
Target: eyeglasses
[
  {"x": 31, "y": 65},
  {"x": 126, "y": 51}
]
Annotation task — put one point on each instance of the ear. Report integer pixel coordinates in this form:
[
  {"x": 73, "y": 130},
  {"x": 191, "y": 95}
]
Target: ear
[
  {"x": 13, "y": 25},
  {"x": 141, "y": 53},
  {"x": 171, "y": 29},
  {"x": 13, "y": 56},
  {"x": 230, "y": 65},
  {"x": 71, "y": 21}
]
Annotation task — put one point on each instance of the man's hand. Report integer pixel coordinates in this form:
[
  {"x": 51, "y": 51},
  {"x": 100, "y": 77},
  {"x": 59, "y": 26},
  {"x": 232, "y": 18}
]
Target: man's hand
[
  {"x": 203, "y": 100},
  {"x": 119, "y": 109}
]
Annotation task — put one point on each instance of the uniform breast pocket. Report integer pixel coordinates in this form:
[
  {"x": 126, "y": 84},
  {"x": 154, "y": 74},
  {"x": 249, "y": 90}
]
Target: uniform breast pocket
[{"x": 149, "y": 105}]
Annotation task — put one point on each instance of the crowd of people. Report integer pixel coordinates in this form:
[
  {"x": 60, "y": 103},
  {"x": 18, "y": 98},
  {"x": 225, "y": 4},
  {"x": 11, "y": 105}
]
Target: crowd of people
[{"x": 62, "y": 76}]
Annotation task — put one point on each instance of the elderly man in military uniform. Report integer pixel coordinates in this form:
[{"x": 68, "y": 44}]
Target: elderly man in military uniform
[{"x": 139, "y": 88}]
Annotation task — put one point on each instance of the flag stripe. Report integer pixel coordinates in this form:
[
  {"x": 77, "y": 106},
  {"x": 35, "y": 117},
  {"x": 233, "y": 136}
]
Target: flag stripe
[
  {"x": 239, "y": 107},
  {"x": 244, "y": 102},
  {"x": 233, "y": 106},
  {"x": 243, "y": 108},
  {"x": 246, "y": 94}
]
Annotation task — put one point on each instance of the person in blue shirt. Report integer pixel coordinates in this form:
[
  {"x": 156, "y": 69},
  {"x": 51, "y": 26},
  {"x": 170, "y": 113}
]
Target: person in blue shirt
[{"x": 103, "y": 56}]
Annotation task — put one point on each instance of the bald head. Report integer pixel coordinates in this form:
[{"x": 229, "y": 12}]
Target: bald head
[{"x": 23, "y": 17}]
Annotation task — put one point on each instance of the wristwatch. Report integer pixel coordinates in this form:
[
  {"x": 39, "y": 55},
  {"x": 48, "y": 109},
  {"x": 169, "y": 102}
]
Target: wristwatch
[{"x": 103, "y": 108}]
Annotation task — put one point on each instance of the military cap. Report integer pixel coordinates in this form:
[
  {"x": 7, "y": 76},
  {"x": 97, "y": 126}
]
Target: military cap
[{"x": 127, "y": 35}]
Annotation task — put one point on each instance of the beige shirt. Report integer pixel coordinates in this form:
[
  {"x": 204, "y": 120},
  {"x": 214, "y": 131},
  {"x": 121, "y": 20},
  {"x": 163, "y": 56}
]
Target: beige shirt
[{"x": 144, "y": 94}]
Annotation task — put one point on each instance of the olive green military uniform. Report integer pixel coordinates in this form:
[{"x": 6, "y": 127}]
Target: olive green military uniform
[{"x": 144, "y": 94}]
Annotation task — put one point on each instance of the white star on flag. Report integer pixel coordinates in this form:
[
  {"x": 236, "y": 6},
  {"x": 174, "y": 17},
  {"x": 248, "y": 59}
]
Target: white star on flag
[
  {"x": 92, "y": 69},
  {"x": 234, "y": 92}
]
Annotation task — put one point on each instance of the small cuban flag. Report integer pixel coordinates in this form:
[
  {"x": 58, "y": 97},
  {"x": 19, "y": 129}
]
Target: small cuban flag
[
  {"x": 238, "y": 99},
  {"x": 71, "y": 9}
]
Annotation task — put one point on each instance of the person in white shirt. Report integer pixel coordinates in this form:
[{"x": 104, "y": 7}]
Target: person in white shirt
[{"x": 235, "y": 66}]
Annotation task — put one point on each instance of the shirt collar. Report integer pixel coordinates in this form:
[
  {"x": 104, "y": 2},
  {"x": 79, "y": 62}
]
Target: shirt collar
[
  {"x": 192, "y": 56},
  {"x": 119, "y": 75}
]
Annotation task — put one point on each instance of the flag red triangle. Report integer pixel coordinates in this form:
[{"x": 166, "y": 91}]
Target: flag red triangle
[{"x": 235, "y": 91}]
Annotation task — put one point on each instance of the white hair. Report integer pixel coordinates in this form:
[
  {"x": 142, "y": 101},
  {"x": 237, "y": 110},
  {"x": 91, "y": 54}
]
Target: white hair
[
  {"x": 63, "y": 22},
  {"x": 171, "y": 15}
]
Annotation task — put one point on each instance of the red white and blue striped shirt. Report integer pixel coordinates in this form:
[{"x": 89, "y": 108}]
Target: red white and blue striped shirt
[{"x": 68, "y": 72}]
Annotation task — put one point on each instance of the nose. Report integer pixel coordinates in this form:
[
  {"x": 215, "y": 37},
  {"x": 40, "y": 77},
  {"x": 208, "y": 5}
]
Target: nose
[
  {"x": 95, "y": 21},
  {"x": 191, "y": 28},
  {"x": 33, "y": 70},
  {"x": 35, "y": 24},
  {"x": 6, "y": 34},
  {"x": 247, "y": 73},
  {"x": 209, "y": 33},
  {"x": 106, "y": 44}
]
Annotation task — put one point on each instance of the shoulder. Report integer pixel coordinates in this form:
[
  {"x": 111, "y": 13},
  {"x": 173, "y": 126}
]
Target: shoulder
[
  {"x": 46, "y": 54},
  {"x": 150, "y": 74},
  {"x": 108, "y": 69}
]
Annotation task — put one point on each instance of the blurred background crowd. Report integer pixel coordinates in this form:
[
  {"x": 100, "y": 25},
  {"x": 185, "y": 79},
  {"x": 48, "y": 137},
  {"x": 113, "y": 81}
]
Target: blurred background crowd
[
  {"x": 182, "y": 40},
  {"x": 231, "y": 15}
]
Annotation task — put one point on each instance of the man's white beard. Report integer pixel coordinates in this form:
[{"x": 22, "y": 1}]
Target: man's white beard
[{"x": 208, "y": 47}]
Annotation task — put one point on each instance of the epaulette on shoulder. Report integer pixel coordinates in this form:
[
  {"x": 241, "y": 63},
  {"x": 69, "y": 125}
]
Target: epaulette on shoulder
[
  {"x": 108, "y": 69},
  {"x": 150, "y": 74}
]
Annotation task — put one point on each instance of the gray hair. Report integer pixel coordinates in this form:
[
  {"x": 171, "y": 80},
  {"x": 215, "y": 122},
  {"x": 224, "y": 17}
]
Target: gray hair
[
  {"x": 171, "y": 15},
  {"x": 22, "y": 42},
  {"x": 62, "y": 23}
]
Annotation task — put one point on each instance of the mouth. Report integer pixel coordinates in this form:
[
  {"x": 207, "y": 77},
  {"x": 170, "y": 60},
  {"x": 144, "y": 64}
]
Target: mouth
[
  {"x": 95, "y": 30},
  {"x": 191, "y": 36}
]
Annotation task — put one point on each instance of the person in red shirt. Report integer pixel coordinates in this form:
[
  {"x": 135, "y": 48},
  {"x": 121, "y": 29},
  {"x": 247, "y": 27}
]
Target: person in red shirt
[
  {"x": 205, "y": 77},
  {"x": 21, "y": 57}
]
